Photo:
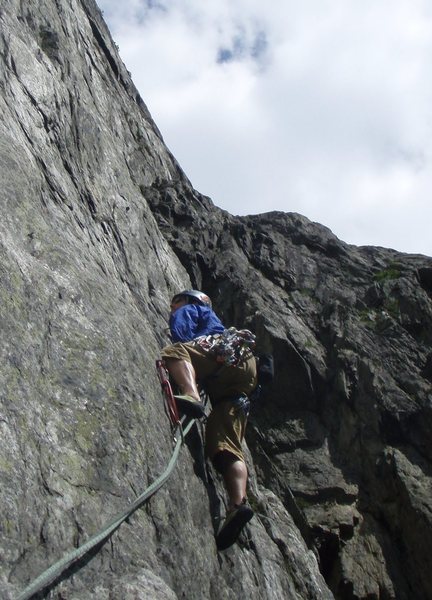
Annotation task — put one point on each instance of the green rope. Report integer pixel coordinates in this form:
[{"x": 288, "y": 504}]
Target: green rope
[{"x": 60, "y": 566}]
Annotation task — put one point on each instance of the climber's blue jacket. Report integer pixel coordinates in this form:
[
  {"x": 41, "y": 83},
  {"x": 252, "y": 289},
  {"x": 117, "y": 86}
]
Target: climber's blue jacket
[{"x": 192, "y": 320}]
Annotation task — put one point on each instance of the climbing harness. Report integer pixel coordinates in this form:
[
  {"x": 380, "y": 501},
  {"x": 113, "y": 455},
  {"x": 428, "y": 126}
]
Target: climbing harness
[
  {"x": 180, "y": 430},
  {"x": 242, "y": 403}
]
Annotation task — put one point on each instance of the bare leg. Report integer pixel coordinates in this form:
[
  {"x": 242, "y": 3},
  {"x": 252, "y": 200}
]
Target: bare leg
[
  {"x": 183, "y": 374},
  {"x": 234, "y": 472},
  {"x": 235, "y": 476}
]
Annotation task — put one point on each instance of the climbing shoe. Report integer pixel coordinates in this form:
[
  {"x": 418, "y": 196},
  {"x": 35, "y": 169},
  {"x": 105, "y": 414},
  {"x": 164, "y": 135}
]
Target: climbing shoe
[
  {"x": 234, "y": 522},
  {"x": 189, "y": 406}
]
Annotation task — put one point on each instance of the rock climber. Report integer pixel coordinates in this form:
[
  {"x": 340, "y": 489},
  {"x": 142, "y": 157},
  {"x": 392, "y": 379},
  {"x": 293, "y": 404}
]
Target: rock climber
[{"x": 196, "y": 332}]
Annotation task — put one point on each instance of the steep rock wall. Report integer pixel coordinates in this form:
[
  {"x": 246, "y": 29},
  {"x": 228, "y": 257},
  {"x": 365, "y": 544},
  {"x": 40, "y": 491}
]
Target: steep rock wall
[
  {"x": 86, "y": 278},
  {"x": 343, "y": 437},
  {"x": 99, "y": 227}
]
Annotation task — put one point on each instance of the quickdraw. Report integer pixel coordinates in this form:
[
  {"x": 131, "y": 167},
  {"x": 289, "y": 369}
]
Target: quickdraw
[
  {"x": 230, "y": 347},
  {"x": 170, "y": 403}
]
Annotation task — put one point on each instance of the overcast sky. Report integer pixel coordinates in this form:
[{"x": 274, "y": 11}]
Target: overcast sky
[{"x": 321, "y": 107}]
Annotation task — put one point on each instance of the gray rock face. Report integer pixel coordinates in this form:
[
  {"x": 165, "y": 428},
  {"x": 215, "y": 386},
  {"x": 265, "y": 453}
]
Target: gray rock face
[
  {"x": 343, "y": 436},
  {"x": 99, "y": 228}
]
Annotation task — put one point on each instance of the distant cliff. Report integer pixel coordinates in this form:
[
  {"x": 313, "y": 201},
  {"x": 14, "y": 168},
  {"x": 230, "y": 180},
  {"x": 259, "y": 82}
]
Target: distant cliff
[{"x": 99, "y": 227}]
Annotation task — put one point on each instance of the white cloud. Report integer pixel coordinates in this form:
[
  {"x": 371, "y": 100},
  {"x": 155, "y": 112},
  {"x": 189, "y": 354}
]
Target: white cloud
[{"x": 319, "y": 107}]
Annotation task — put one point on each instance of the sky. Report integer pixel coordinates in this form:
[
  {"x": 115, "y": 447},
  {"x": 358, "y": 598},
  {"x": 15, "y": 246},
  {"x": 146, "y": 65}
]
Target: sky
[{"x": 319, "y": 107}]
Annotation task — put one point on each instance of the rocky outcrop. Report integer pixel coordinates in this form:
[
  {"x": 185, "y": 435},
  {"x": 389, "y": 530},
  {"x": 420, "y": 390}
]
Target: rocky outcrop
[
  {"x": 343, "y": 436},
  {"x": 99, "y": 228}
]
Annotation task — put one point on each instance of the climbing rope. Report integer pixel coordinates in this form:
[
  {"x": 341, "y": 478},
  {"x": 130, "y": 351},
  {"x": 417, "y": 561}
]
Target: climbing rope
[{"x": 53, "y": 572}]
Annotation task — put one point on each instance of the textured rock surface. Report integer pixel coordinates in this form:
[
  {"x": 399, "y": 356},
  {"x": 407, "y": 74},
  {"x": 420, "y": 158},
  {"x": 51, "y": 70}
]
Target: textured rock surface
[
  {"x": 99, "y": 227},
  {"x": 343, "y": 438}
]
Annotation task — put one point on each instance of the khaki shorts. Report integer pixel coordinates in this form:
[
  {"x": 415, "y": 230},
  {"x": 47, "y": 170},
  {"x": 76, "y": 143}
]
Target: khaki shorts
[
  {"x": 225, "y": 430},
  {"x": 219, "y": 381},
  {"x": 227, "y": 422}
]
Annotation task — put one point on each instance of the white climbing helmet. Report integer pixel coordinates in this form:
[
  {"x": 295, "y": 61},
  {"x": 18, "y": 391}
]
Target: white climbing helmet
[{"x": 195, "y": 295}]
